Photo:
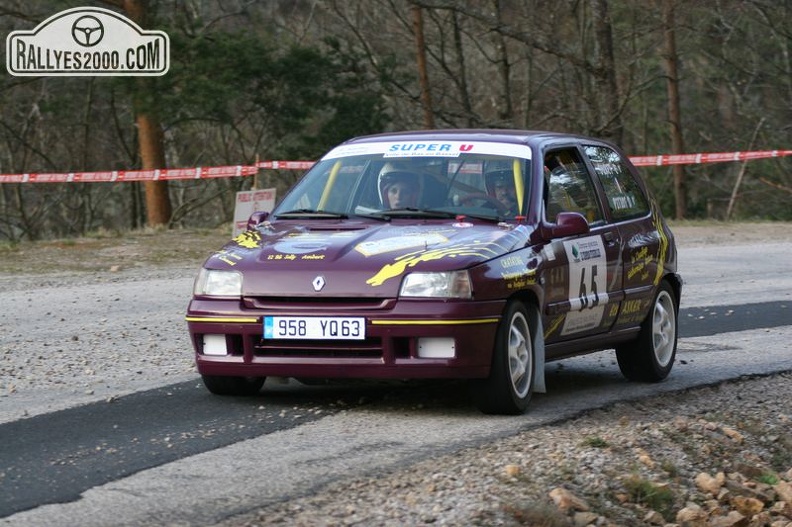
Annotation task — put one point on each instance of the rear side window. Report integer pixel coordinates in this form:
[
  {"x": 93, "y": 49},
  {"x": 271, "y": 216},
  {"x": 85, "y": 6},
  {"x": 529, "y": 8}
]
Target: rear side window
[
  {"x": 569, "y": 186},
  {"x": 625, "y": 198}
]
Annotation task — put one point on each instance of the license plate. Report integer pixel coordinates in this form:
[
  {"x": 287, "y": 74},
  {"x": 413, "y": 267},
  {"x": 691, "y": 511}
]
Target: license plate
[{"x": 315, "y": 328}]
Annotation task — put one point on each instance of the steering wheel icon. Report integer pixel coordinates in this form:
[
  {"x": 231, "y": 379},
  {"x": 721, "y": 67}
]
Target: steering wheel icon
[{"x": 87, "y": 31}]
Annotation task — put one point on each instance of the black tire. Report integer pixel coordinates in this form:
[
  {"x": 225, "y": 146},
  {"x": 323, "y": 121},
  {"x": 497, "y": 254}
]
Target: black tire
[
  {"x": 239, "y": 386},
  {"x": 508, "y": 388},
  {"x": 650, "y": 357}
]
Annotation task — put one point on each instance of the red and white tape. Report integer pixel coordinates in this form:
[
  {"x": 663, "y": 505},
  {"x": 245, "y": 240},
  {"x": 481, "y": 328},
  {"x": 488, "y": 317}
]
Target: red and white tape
[
  {"x": 286, "y": 165},
  {"x": 693, "y": 159},
  {"x": 249, "y": 170},
  {"x": 132, "y": 175}
]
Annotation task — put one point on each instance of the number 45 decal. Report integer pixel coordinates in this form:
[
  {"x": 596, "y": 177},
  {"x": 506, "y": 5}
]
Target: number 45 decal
[
  {"x": 588, "y": 299},
  {"x": 587, "y": 287}
]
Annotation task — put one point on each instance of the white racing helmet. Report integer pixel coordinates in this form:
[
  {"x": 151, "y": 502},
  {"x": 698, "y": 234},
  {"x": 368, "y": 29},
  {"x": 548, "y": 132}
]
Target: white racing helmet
[{"x": 392, "y": 173}]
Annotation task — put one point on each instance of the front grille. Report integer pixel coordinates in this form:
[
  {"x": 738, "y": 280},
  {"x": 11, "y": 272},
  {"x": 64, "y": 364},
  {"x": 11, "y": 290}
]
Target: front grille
[
  {"x": 296, "y": 304},
  {"x": 368, "y": 348}
]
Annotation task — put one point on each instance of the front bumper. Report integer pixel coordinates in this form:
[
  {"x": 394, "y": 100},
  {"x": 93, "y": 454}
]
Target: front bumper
[{"x": 398, "y": 335}]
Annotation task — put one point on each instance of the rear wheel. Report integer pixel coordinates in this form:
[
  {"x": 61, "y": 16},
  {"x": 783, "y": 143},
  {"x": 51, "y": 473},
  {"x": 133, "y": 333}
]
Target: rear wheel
[
  {"x": 650, "y": 357},
  {"x": 508, "y": 388},
  {"x": 242, "y": 386}
]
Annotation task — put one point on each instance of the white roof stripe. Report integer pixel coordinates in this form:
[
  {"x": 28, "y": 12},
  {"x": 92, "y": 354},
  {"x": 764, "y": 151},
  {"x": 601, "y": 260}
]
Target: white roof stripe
[{"x": 405, "y": 148}]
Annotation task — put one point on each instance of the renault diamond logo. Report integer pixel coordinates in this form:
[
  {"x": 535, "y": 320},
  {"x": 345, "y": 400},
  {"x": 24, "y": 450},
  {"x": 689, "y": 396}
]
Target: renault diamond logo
[{"x": 318, "y": 283}]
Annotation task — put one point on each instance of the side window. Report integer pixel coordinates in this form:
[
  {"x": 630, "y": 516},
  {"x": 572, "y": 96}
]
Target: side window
[
  {"x": 569, "y": 187},
  {"x": 625, "y": 198}
]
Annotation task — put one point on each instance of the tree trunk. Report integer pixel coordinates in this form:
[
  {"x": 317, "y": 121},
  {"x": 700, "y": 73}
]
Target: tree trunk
[
  {"x": 611, "y": 122},
  {"x": 464, "y": 94},
  {"x": 152, "y": 156},
  {"x": 506, "y": 112},
  {"x": 423, "y": 74},
  {"x": 674, "y": 117},
  {"x": 150, "y": 139}
]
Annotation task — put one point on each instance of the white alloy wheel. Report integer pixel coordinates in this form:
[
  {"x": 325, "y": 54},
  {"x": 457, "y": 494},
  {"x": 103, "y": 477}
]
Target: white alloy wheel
[
  {"x": 509, "y": 386},
  {"x": 664, "y": 328},
  {"x": 520, "y": 353},
  {"x": 650, "y": 357}
]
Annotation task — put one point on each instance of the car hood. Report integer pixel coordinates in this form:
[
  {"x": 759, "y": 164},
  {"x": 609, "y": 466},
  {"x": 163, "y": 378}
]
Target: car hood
[{"x": 356, "y": 258}]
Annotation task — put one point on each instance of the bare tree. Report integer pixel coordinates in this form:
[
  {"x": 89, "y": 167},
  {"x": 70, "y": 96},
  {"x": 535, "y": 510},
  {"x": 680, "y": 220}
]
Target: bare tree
[
  {"x": 423, "y": 74},
  {"x": 149, "y": 128},
  {"x": 670, "y": 60},
  {"x": 606, "y": 82}
]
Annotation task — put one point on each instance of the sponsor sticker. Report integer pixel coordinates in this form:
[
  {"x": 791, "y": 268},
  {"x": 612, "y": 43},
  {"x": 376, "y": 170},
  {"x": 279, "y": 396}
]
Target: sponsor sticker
[
  {"x": 400, "y": 243},
  {"x": 588, "y": 293},
  {"x": 87, "y": 41},
  {"x": 405, "y": 149}
]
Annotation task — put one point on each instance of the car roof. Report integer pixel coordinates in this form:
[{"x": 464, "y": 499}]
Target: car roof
[{"x": 534, "y": 138}]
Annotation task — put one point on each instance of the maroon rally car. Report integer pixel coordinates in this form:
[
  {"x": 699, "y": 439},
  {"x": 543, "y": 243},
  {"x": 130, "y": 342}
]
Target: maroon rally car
[{"x": 466, "y": 254}]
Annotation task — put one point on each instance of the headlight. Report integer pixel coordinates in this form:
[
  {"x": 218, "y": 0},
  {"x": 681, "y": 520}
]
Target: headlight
[
  {"x": 218, "y": 283},
  {"x": 452, "y": 284}
]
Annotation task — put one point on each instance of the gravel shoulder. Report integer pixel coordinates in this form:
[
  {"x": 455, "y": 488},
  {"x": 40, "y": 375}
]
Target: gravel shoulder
[
  {"x": 698, "y": 457},
  {"x": 719, "y": 455},
  {"x": 108, "y": 254}
]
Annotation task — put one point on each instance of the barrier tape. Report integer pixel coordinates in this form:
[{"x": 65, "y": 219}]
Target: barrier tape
[
  {"x": 692, "y": 159},
  {"x": 250, "y": 170},
  {"x": 286, "y": 165},
  {"x": 132, "y": 175}
]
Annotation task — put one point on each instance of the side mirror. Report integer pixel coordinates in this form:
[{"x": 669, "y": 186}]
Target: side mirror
[
  {"x": 256, "y": 218},
  {"x": 568, "y": 224}
]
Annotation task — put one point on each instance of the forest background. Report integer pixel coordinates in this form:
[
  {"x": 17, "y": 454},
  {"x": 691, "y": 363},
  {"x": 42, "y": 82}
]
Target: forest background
[{"x": 288, "y": 79}]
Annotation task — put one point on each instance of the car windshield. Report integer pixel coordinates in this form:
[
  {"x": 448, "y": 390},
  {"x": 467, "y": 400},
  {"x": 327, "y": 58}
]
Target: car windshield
[{"x": 378, "y": 185}]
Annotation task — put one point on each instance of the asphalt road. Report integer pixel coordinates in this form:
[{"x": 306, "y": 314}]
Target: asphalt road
[{"x": 175, "y": 454}]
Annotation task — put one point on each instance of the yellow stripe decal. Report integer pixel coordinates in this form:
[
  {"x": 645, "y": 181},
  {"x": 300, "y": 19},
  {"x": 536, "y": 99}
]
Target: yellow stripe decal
[
  {"x": 432, "y": 322},
  {"x": 518, "y": 184},
  {"x": 221, "y": 319},
  {"x": 373, "y": 322},
  {"x": 329, "y": 186}
]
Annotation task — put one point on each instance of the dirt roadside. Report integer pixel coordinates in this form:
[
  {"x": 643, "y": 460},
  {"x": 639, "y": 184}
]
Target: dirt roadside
[
  {"x": 152, "y": 248},
  {"x": 112, "y": 252}
]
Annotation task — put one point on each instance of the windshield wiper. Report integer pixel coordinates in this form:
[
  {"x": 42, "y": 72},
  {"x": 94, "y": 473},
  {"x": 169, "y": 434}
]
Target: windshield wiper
[
  {"x": 420, "y": 213},
  {"x": 372, "y": 216},
  {"x": 483, "y": 217},
  {"x": 310, "y": 213}
]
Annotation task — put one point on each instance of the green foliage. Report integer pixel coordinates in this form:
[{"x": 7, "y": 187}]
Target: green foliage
[
  {"x": 670, "y": 468},
  {"x": 211, "y": 74},
  {"x": 769, "y": 478},
  {"x": 643, "y": 491},
  {"x": 595, "y": 442},
  {"x": 305, "y": 99}
]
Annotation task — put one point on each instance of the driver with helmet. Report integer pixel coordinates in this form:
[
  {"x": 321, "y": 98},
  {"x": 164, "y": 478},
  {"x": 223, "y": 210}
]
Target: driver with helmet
[
  {"x": 500, "y": 185},
  {"x": 398, "y": 188}
]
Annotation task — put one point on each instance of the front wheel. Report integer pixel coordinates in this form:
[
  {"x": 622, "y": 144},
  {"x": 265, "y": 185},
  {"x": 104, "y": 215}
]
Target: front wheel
[
  {"x": 650, "y": 357},
  {"x": 508, "y": 388},
  {"x": 240, "y": 386}
]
